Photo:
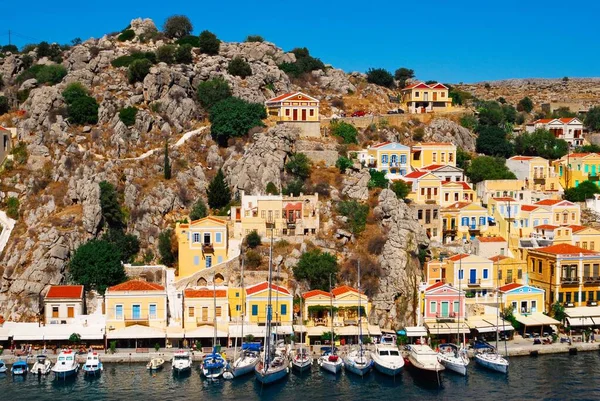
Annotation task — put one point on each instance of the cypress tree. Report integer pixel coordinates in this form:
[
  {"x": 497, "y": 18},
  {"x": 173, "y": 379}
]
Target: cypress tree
[
  {"x": 167, "y": 163},
  {"x": 219, "y": 194}
]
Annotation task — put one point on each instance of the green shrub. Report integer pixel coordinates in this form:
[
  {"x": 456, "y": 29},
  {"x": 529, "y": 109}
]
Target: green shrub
[
  {"x": 468, "y": 121},
  {"x": 138, "y": 70},
  {"x": 83, "y": 111},
  {"x": 209, "y": 43},
  {"x": 126, "y": 35},
  {"x": 316, "y": 267},
  {"x": 356, "y": 214},
  {"x": 166, "y": 54},
  {"x": 20, "y": 153},
  {"x": 12, "y": 207},
  {"x": 4, "y": 106},
  {"x": 254, "y": 38},
  {"x": 73, "y": 92},
  {"x": 125, "y": 61},
  {"x": 381, "y": 77},
  {"x": 191, "y": 40},
  {"x": 199, "y": 210},
  {"x": 22, "y": 95},
  {"x": 401, "y": 189},
  {"x": 127, "y": 115},
  {"x": 344, "y": 130},
  {"x": 177, "y": 26},
  {"x": 26, "y": 61},
  {"x": 418, "y": 134},
  {"x": 183, "y": 55},
  {"x": 253, "y": 239},
  {"x": 298, "y": 165},
  {"x": 304, "y": 63},
  {"x": 377, "y": 180},
  {"x": 44, "y": 74},
  {"x": 271, "y": 189},
  {"x": 253, "y": 259},
  {"x": 212, "y": 92},
  {"x": 10, "y": 49},
  {"x": 343, "y": 163},
  {"x": 97, "y": 265},
  {"x": 218, "y": 192},
  {"x": 294, "y": 188},
  {"x": 234, "y": 117},
  {"x": 52, "y": 51},
  {"x": 167, "y": 257},
  {"x": 239, "y": 67}
]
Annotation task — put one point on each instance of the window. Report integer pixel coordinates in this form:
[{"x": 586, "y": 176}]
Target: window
[
  {"x": 238, "y": 308},
  {"x": 312, "y": 112},
  {"x": 485, "y": 273},
  {"x": 218, "y": 311},
  {"x": 206, "y": 238},
  {"x": 464, "y": 221},
  {"x": 196, "y": 260},
  {"x": 402, "y": 159},
  {"x": 417, "y": 94},
  {"x": 218, "y": 237},
  {"x": 208, "y": 261},
  {"x": 482, "y": 221},
  {"x": 196, "y": 237},
  {"x": 55, "y": 311},
  {"x": 500, "y": 275},
  {"x": 254, "y": 310},
  {"x": 263, "y": 214},
  {"x": 434, "y": 157},
  {"x": 514, "y": 305},
  {"x": 446, "y": 196},
  {"x": 283, "y": 309},
  {"x": 584, "y": 244},
  {"x": 573, "y": 216},
  {"x": 118, "y": 311},
  {"x": 456, "y": 196},
  {"x": 443, "y": 157},
  {"x": 519, "y": 274},
  {"x": 591, "y": 245},
  {"x": 152, "y": 311},
  {"x": 384, "y": 159},
  {"x": 287, "y": 112},
  {"x": 70, "y": 311},
  {"x": 432, "y": 307},
  {"x": 219, "y": 259},
  {"x": 540, "y": 266},
  {"x": 461, "y": 274},
  {"x": 136, "y": 312},
  {"x": 419, "y": 214},
  {"x": 456, "y": 308},
  {"x": 435, "y": 213}
]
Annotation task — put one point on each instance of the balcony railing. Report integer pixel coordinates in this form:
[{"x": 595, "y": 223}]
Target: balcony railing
[
  {"x": 291, "y": 224},
  {"x": 450, "y": 317},
  {"x": 569, "y": 280},
  {"x": 474, "y": 283},
  {"x": 591, "y": 280},
  {"x": 320, "y": 321},
  {"x": 208, "y": 248},
  {"x": 593, "y": 178}
]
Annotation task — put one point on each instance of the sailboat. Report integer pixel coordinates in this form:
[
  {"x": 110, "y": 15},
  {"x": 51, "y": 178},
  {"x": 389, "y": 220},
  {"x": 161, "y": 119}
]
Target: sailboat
[
  {"x": 302, "y": 360},
  {"x": 214, "y": 364},
  {"x": 250, "y": 354},
  {"x": 329, "y": 361},
  {"x": 358, "y": 361},
  {"x": 273, "y": 367}
]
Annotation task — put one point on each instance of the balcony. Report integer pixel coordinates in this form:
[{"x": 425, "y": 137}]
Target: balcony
[
  {"x": 320, "y": 321},
  {"x": 539, "y": 180},
  {"x": 591, "y": 280},
  {"x": 593, "y": 178},
  {"x": 350, "y": 322},
  {"x": 509, "y": 281},
  {"x": 200, "y": 321},
  {"x": 474, "y": 283},
  {"x": 448, "y": 318},
  {"x": 141, "y": 321},
  {"x": 208, "y": 248},
  {"x": 430, "y": 200},
  {"x": 372, "y": 164},
  {"x": 569, "y": 280},
  {"x": 450, "y": 230},
  {"x": 291, "y": 225}
]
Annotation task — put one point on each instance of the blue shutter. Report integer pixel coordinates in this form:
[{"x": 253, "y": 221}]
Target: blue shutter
[
  {"x": 482, "y": 221},
  {"x": 464, "y": 221},
  {"x": 196, "y": 260},
  {"x": 254, "y": 310},
  {"x": 283, "y": 309}
]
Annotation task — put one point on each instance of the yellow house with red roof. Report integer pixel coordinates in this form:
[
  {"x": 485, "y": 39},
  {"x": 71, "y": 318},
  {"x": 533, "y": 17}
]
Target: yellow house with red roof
[
  {"x": 586, "y": 237},
  {"x": 510, "y": 270},
  {"x": 200, "y": 313},
  {"x": 137, "y": 305},
  {"x": 426, "y": 187},
  {"x": 298, "y": 109},
  {"x": 424, "y": 154},
  {"x": 575, "y": 168},
  {"x": 257, "y": 301},
  {"x": 563, "y": 212},
  {"x": 63, "y": 303},
  {"x": 423, "y": 98}
]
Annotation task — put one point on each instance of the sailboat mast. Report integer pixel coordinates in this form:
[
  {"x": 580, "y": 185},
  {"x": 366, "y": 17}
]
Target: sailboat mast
[
  {"x": 214, "y": 311},
  {"x": 331, "y": 305},
  {"x": 459, "y": 304},
  {"x": 497, "y": 293},
  {"x": 301, "y": 327},
  {"x": 269, "y": 308},
  {"x": 241, "y": 306},
  {"x": 359, "y": 315}
]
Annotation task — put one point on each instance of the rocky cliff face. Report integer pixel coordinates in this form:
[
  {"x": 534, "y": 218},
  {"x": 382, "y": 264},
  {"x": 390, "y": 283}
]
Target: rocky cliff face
[{"x": 443, "y": 130}]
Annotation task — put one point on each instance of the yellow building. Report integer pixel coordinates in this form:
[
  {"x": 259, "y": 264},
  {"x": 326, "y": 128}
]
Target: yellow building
[
  {"x": 523, "y": 299},
  {"x": 200, "y": 311},
  {"x": 203, "y": 243},
  {"x": 136, "y": 310},
  {"x": 586, "y": 237},
  {"x": 293, "y": 106},
  {"x": 463, "y": 220},
  {"x": 391, "y": 158},
  {"x": 510, "y": 270},
  {"x": 535, "y": 171},
  {"x": 426, "y": 187},
  {"x": 257, "y": 301},
  {"x": 452, "y": 192},
  {"x": 422, "y": 98},
  {"x": 433, "y": 153},
  {"x": 575, "y": 168},
  {"x": 567, "y": 273},
  {"x": 564, "y": 213}
]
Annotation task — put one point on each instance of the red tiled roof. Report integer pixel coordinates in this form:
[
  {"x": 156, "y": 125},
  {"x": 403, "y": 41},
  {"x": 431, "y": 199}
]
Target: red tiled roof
[
  {"x": 263, "y": 286},
  {"x": 566, "y": 120},
  {"x": 461, "y": 183},
  {"x": 417, "y": 85},
  {"x": 577, "y": 228},
  {"x": 137, "y": 285},
  {"x": 508, "y": 287},
  {"x": 436, "y": 285},
  {"x": 459, "y": 257},
  {"x": 204, "y": 293},
  {"x": 578, "y": 155},
  {"x": 342, "y": 290},
  {"x": 287, "y": 95},
  {"x": 3, "y": 129},
  {"x": 314, "y": 293},
  {"x": 434, "y": 144},
  {"x": 548, "y": 202},
  {"x": 505, "y": 199},
  {"x": 528, "y": 208},
  {"x": 415, "y": 174},
  {"x": 65, "y": 291},
  {"x": 211, "y": 218},
  {"x": 565, "y": 249},
  {"x": 498, "y": 258},
  {"x": 458, "y": 205},
  {"x": 543, "y": 120},
  {"x": 546, "y": 227},
  {"x": 521, "y": 158},
  {"x": 380, "y": 145},
  {"x": 433, "y": 167},
  {"x": 491, "y": 239}
]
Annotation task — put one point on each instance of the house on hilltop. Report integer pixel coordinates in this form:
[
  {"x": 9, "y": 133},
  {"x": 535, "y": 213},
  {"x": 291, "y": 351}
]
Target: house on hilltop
[
  {"x": 297, "y": 109},
  {"x": 422, "y": 98}
]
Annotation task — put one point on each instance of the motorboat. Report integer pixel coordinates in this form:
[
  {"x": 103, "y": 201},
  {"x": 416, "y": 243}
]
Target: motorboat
[
  {"x": 19, "y": 368},
  {"x": 388, "y": 339},
  {"x": 42, "y": 365},
  {"x": 488, "y": 357},
  {"x": 453, "y": 358},
  {"x": 155, "y": 364},
  {"x": 424, "y": 361},
  {"x": 358, "y": 362},
  {"x": 66, "y": 364},
  {"x": 246, "y": 362},
  {"x": 182, "y": 362},
  {"x": 2, "y": 366},
  {"x": 213, "y": 365},
  {"x": 93, "y": 365},
  {"x": 329, "y": 361},
  {"x": 387, "y": 359},
  {"x": 302, "y": 360},
  {"x": 276, "y": 369}
]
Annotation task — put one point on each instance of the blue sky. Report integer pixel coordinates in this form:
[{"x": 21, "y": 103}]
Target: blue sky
[{"x": 463, "y": 40}]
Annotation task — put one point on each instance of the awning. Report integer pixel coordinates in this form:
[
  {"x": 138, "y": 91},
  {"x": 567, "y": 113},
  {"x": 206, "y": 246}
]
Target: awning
[
  {"x": 52, "y": 332},
  {"x": 175, "y": 332},
  {"x": 4, "y": 334},
  {"x": 283, "y": 330},
  {"x": 374, "y": 330},
  {"x": 346, "y": 331},
  {"x": 536, "y": 319},
  {"x": 300, "y": 328},
  {"x": 317, "y": 331},
  {"x": 487, "y": 324},
  {"x": 204, "y": 332},
  {"x": 447, "y": 328},
  {"x": 134, "y": 332},
  {"x": 235, "y": 330},
  {"x": 416, "y": 331},
  {"x": 583, "y": 316}
]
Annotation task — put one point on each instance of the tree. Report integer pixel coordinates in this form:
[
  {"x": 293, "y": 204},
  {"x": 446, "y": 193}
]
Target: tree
[
  {"x": 166, "y": 54},
  {"x": 83, "y": 111},
  {"x": 138, "y": 70},
  {"x": 490, "y": 114},
  {"x": 356, "y": 214},
  {"x": 10, "y": 49},
  {"x": 462, "y": 158},
  {"x": 585, "y": 190},
  {"x": 167, "y": 162},
  {"x": 510, "y": 113},
  {"x": 183, "y": 55},
  {"x": 298, "y": 165},
  {"x": 109, "y": 203},
  {"x": 234, "y": 117},
  {"x": 304, "y": 63},
  {"x": 12, "y": 207},
  {"x": 254, "y": 38},
  {"x": 165, "y": 247},
  {"x": 127, "y": 34},
  {"x": 294, "y": 188},
  {"x": 128, "y": 245},
  {"x": 401, "y": 189},
  {"x": 541, "y": 143},
  {"x": 253, "y": 239},
  {"x": 191, "y": 40},
  {"x": 4, "y": 106},
  {"x": 74, "y": 91},
  {"x": 177, "y": 26},
  {"x": 381, "y": 77},
  {"x": 97, "y": 265},
  {"x": 209, "y": 44},
  {"x": 219, "y": 194},
  {"x": 199, "y": 210},
  {"x": 271, "y": 189},
  {"x": 378, "y": 179},
  {"x": 558, "y": 311},
  {"x": 344, "y": 130},
  {"x": 239, "y": 67},
  {"x": 492, "y": 141},
  {"x": 525, "y": 104},
  {"x": 488, "y": 168},
  {"x": 402, "y": 75},
  {"x": 127, "y": 115},
  {"x": 468, "y": 121},
  {"x": 316, "y": 267},
  {"x": 212, "y": 92},
  {"x": 592, "y": 119},
  {"x": 343, "y": 163}
]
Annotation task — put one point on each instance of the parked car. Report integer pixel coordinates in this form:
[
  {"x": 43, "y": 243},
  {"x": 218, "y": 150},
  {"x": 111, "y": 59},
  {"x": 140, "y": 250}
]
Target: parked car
[
  {"x": 359, "y": 113},
  {"x": 395, "y": 111}
]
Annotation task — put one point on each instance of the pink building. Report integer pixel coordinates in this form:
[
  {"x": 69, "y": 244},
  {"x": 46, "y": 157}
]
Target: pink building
[{"x": 443, "y": 301}]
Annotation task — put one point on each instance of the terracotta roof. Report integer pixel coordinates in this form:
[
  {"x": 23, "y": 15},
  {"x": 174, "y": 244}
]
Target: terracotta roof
[
  {"x": 433, "y": 167},
  {"x": 263, "y": 286},
  {"x": 498, "y": 258},
  {"x": 543, "y": 120},
  {"x": 505, "y": 199},
  {"x": 290, "y": 94},
  {"x": 521, "y": 158},
  {"x": 459, "y": 257},
  {"x": 137, "y": 285},
  {"x": 508, "y": 287},
  {"x": 546, "y": 227},
  {"x": 417, "y": 85},
  {"x": 548, "y": 202},
  {"x": 578, "y": 155},
  {"x": 211, "y": 218},
  {"x": 491, "y": 239},
  {"x": 576, "y": 228},
  {"x": 528, "y": 208},
  {"x": 281, "y": 97},
  {"x": 3, "y": 129},
  {"x": 380, "y": 145},
  {"x": 565, "y": 249},
  {"x": 461, "y": 183},
  {"x": 415, "y": 174},
  {"x": 314, "y": 293},
  {"x": 567, "y": 120},
  {"x": 434, "y": 144},
  {"x": 436, "y": 285},
  {"x": 458, "y": 205},
  {"x": 204, "y": 293},
  {"x": 342, "y": 290},
  {"x": 65, "y": 291}
]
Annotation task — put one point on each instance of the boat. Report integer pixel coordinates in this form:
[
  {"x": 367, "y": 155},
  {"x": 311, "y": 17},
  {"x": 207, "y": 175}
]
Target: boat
[
  {"x": 42, "y": 365},
  {"x": 182, "y": 362},
  {"x": 2, "y": 366},
  {"x": 424, "y": 361},
  {"x": 19, "y": 368},
  {"x": 213, "y": 365},
  {"x": 387, "y": 359},
  {"x": 453, "y": 358},
  {"x": 273, "y": 367},
  {"x": 155, "y": 364},
  {"x": 93, "y": 365},
  {"x": 301, "y": 360},
  {"x": 488, "y": 357},
  {"x": 328, "y": 360},
  {"x": 66, "y": 364}
]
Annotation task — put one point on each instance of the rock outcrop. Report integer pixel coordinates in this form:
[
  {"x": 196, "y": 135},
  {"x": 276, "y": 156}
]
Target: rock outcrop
[
  {"x": 443, "y": 130},
  {"x": 356, "y": 183}
]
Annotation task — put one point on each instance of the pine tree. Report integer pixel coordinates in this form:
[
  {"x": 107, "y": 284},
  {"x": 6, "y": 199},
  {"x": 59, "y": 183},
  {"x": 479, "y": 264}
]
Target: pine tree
[
  {"x": 219, "y": 194},
  {"x": 167, "y": 163}
]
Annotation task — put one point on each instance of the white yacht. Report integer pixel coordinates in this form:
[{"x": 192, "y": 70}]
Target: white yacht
[
  {"x": 66, "y": 364},
  {"x": 488, "y": 357},
  {"x": 182, "y": 362},
  {"x": 42, "y": 365},
  {"x": 453, "y": 358},
  {"x": 246, "y": 362},
  {"x": 424, "y": 361},
  {"x": 329, "y": 361},
  {"x": 302, "y": 360},
  {"x": 2, "y": 366},
  {"x": 93, "y": 365},
  {"x": 387, "y": 359},
  {"x": 358, "y": 362}
]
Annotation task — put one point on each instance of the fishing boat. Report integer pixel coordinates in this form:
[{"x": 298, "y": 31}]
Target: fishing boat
[
  {"x": 19, "y": 368},
  {"x": 487, "y": 356},
  {"x": 387, "y": 359},
  {"x": 2, "y": 366},
  {"x": 42, "y": 365},
  {"x": 273, "y": 367},
  {"x": 213, "y": 365},
  {"x": 182, "y": 362},
  {"x": 93, "y": 365},
  {"x": 329, "y": 361},
  {"x": 66, "y": 364},
  {"x": 301, "y": 360},
  {"x": 424, "y": 361},
  {"x": 358, "y": 361},
  {"x": 453, "y": 358},
  {"x": 155, "y": 364}
]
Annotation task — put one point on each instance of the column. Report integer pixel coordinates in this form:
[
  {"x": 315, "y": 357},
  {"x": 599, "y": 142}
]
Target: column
[
  {"x": 580, "y": 276},
  {"x": 557, "y": 279}
]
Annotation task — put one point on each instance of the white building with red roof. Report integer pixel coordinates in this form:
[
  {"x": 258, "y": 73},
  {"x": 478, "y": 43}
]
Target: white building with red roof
[
  {"x": 298, "y": 109},
  {"x": 570, "y": 129},
  {"x": 423, "y": 98},
  {"x": 63, "y": 304}
]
